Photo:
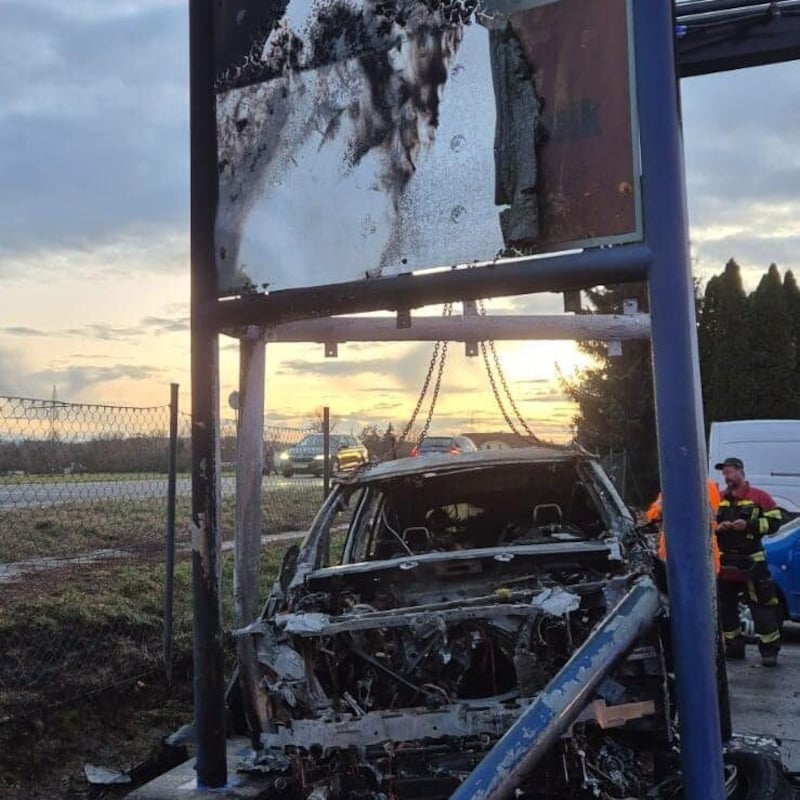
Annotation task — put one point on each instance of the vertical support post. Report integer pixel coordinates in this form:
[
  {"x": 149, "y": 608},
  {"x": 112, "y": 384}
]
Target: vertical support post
[
  {"x": 247, "y": 551},
  {"x": 209, "y": 684},
  {"x": 326, "y": 451},
  {"x": 169, "y": 569},
  {"x": 678, "y": 406}
]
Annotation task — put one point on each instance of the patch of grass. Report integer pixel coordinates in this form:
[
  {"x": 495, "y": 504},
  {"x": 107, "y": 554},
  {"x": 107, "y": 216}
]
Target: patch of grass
[
  {"x": 84, "y": 629},
  {"x": 130, "y": 524},
  {"x": 82, "y": 477}
]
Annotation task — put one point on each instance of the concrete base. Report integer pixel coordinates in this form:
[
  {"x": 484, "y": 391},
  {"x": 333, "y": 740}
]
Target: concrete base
[{"x": 181, "y": 783}]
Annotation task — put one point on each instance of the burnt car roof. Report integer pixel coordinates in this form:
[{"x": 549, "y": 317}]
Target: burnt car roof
[{"x": 445, "y": 462}]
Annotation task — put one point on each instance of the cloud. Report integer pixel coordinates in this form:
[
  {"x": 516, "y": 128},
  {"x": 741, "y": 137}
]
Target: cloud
[
  {"x": 334, "y": 367},
  {"x": 155, "y": 326},
  {"x": 19, "y": 379},
  {"x": 161, "y": 325},
  {"x": 74, "y": 380},
  {"x": 743, "y": 167},
  {"x": 93, "y": 120},
  {"x": 102, "y": 332},
  {"x": 159, "y": 249},
  {"x": 22, "y": 330},
  {"x": 94, "y": 10},
  {"x": 405, "y": 368}
]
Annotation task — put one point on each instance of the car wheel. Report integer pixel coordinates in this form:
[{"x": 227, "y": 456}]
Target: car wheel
[
  {"x": 287, "y": 473},
  {"x": 759, "y": 777}
]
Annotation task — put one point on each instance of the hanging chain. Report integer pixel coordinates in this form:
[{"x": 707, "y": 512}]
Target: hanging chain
[
  {"x": 423, "y": 392},
  {"x": 438, "y": 357},
  {"x": 504, "y": 384},
  {"x": 498, "y": 398},
  {"x": 446, "y": 312}
]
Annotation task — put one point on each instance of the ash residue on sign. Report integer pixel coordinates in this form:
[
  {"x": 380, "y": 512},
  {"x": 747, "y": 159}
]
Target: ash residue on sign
[
  {"x": 372, "y": 73},
  {"x": 361, "y": 84}
]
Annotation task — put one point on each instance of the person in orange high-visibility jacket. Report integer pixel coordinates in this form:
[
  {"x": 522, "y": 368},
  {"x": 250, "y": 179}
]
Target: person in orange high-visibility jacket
[{"x": 654, "y": 516}]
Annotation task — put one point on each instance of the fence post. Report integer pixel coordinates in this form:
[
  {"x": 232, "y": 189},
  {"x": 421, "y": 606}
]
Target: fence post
[
  {"x": 169, "y": 580},
  {"x": 326, "y": 451}
]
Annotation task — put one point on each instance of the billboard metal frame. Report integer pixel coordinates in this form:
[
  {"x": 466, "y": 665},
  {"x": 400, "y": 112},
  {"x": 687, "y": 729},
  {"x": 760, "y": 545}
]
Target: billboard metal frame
[{"x": 663, "y": 259}]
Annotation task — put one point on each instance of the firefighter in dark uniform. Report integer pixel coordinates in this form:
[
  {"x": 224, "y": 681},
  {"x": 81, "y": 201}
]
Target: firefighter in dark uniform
[{"x": 745, "y": 515}]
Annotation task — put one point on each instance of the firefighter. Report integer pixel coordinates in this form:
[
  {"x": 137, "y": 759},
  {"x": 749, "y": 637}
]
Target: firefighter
[
  {"x": 654, "y": 516},
  {"x": 746, "y": 514}
]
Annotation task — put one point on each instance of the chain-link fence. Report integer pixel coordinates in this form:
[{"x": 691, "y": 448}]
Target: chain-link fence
[
  {"x": 83, "y": 514},
  {"x": 617, "y": 463}
]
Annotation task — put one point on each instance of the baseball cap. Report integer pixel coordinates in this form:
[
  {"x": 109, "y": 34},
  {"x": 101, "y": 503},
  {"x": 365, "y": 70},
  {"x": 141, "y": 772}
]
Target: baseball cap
[{"x": 730, "y": 462}]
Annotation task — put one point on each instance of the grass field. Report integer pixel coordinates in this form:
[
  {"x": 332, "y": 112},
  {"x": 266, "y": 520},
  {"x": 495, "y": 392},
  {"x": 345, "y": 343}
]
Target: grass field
[
  {"x": 81, "y": 629},
  {"x": 76, "y": 528},
  {"x": 83, "y": 477}
]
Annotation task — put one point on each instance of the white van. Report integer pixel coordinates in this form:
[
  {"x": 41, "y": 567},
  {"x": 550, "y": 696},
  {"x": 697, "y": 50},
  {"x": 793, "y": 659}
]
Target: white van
[{"x": 770, "y": 450}]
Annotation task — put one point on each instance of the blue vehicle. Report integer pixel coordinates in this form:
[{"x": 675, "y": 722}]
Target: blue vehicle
[{"x": 783, "y": 559}]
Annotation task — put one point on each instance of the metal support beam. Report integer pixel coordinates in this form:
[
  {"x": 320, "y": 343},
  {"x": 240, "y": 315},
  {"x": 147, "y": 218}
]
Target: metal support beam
[
  {"x": 557, "y": 327},
  {"x": 556, "y": 273},
  {"x": 681, "y": 443},
  {"x": 247, "y": 532},
  {"x": 511, "y": 760},
  {"x": 209, "y": 678},
  {"x": 743, "y": 34}
]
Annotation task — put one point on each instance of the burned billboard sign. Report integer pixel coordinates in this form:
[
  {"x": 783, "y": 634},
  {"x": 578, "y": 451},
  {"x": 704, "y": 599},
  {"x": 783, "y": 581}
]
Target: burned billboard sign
[{"x": 370, "y": 138}]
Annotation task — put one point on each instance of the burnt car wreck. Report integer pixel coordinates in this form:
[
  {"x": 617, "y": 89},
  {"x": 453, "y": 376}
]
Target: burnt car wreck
[{"x": 498, "y": 609}]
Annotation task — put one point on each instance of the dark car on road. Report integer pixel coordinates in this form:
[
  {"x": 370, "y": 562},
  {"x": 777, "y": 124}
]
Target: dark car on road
[
  {"x": 454, "y": 445},
  {"x": 308, "y": 456}
]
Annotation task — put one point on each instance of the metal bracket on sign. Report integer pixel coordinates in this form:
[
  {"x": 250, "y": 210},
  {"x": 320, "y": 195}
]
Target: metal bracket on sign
[
  {"x": 572, "y": 302},
  {"x": 471, "y": 349},
  {"x": 630, "y": 307},
  {"x": 403, "y": 318},
  {"x": 331, "y": 349}
]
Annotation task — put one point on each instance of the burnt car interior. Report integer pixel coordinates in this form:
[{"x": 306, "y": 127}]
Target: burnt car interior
[{"x": 474, "y": 509}]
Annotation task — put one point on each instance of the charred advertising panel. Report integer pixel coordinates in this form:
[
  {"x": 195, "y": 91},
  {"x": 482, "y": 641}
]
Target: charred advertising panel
[
  {"x": 368, "y": 139},
  {"x": 588, "y": 171}
]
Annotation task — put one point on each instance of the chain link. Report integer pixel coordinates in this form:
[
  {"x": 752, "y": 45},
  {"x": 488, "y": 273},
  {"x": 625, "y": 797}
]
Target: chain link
[
  {"x": 436, "y": 366},
  {"x": 497, "y": 396},
  {"x": 504, "y": 383},
  {"x": 438, "y": 358}
]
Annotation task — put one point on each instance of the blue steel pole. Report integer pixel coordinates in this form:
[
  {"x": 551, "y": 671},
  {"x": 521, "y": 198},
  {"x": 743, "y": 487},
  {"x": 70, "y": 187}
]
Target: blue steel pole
[
  {"x": 679, "y": 414},
  {"x": 511, "y": 760}
]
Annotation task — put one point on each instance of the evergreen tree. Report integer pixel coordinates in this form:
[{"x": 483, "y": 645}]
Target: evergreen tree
[
  {"x": 791, "y": 293},
  {"x": 772, "y": 350},
  {"x": 730, "y": 381},
  {"x": 708, "y": 343},
  {"x": 615, "y": 399}
]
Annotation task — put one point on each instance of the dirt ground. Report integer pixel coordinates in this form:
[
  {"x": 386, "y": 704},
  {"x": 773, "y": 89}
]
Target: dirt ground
[{"x": 42, "y": 755}]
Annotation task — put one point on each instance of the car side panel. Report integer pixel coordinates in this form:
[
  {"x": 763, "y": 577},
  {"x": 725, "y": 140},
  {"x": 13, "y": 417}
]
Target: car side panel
[{"x": 783, "y": 559}]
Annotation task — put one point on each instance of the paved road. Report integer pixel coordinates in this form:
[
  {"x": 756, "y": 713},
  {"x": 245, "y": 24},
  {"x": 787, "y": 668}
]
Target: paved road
[
  {"x": 40, "y": 495},
  {"x": 767, "y": 701}
]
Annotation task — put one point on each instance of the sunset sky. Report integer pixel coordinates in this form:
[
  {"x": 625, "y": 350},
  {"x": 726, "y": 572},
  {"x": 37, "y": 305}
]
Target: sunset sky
[{"x": 94, "y": 227}]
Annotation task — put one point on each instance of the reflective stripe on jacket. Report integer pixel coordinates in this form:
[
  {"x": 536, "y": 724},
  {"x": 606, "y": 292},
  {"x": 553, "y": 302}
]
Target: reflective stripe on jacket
[{"x": 761, "y": 515}]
